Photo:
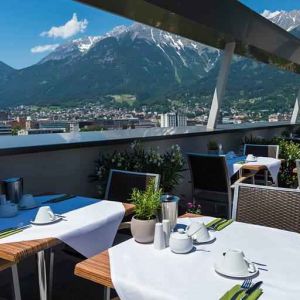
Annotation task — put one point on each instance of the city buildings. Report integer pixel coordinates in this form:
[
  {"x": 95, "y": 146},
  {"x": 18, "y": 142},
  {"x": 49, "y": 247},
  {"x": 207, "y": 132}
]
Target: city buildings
[{"x": 175, "y": 119}]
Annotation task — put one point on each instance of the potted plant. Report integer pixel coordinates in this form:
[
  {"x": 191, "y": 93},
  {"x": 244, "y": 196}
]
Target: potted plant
[
  {"x": 213, "y": 147},
  {"x": 147, "y": 205}
]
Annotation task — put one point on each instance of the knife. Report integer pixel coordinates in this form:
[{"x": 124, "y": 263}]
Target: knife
[
  {"x": 59, "y": 199},
  {"x": 249, "y": 291},
  {"x": 215, "y": 224}
]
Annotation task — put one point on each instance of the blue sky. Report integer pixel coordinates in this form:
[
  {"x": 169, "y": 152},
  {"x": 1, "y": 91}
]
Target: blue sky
[{"x": 28, "y": 28}]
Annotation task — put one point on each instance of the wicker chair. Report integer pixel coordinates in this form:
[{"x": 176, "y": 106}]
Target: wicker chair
[
  {"x": 121, "y": 183},
  {"x": 4, "y": 264},
  {"x": 211, "y": 183},
  {"x": 267, "y": 206},
  {"x": 264, "y": 151}
]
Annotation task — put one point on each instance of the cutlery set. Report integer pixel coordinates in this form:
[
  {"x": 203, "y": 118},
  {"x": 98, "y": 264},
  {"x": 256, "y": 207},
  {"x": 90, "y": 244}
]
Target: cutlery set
[
  {"x": 12, "y": 230},
  {"x": 60, "y": 199},
  {"x": 218, "y": 224},
  {"x": 247, "y": 289}
]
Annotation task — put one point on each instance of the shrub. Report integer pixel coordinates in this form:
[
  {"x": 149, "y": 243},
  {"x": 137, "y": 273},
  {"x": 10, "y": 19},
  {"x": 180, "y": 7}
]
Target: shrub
[{"x": 169, "y": 165}]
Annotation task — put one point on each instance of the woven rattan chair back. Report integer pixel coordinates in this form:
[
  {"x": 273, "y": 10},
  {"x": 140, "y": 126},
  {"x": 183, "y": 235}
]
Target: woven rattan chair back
[
  {"x": 262, "y": 150},
  {"x": 267, "y": 206},
  {"x": 121, "y": 183},
  {"x": 298, "y": 171}
]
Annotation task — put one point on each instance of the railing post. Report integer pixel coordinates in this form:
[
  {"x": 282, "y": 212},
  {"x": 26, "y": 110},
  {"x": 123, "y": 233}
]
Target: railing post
[
  {"x": 296, "y": 109},
  {"x": 221, "y": 84}
]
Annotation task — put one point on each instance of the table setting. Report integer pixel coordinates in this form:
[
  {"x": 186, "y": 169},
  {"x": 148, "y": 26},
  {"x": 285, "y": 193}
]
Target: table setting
[
  {"x": 236, "y": 162},
  {"x": 207, "y": 258},
  {"x": 87, "y": 225}
]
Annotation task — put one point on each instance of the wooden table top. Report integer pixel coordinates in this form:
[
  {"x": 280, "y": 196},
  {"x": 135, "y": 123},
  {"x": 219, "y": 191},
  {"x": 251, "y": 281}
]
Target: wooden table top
[
  {"x": 258, "y": 167},
  {"x": 97, "y": 268},
  {"x": 14, "y": 252}
]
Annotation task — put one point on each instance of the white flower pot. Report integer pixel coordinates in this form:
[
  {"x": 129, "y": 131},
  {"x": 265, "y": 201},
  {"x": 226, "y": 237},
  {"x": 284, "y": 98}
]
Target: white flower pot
[{"x": 143, "y": 230}]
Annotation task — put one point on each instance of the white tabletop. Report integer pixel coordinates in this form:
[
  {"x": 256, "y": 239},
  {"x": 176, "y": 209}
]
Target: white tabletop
[
  {"x": 141, "y": 272},
  {"x": 89, "y": 225}
]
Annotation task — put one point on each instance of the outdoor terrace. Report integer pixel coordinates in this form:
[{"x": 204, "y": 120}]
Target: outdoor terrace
[{"x": 63, "y": 163}]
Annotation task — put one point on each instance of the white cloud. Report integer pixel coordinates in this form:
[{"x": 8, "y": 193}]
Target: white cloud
[
  {"x": 44, "y": 48},
  {"x": 72, "y": 27}
]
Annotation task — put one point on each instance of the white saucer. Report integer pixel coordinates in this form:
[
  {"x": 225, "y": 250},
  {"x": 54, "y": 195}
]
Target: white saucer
[
  {"x": 228, "y": 274},
  {"x": 57, "y": 219},
  {"x": 211, "y": 239},
  {"x": 251, "y": 160}
]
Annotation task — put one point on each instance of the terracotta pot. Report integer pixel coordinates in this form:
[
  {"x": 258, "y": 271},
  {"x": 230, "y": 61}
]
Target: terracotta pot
[{"x": 143, "y": 230}]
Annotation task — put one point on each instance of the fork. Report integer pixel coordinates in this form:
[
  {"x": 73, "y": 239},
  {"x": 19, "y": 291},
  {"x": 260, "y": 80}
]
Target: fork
[{"x": 245, "y": 285}]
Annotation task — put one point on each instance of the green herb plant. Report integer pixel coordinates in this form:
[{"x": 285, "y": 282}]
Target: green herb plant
[{"x": 147, "y": 203}]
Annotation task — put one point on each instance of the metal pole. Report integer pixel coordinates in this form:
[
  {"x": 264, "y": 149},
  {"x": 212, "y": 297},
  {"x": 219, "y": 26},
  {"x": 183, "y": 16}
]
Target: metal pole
[
  {"x": 51, "y": 266},
  {"x": 42, "y": 275},
  {"x": 220, "y": 87},
  {"x": 296, "y": 109},
  {"x": 16, "y": 282},
  {"x": 106, "y": 293}
]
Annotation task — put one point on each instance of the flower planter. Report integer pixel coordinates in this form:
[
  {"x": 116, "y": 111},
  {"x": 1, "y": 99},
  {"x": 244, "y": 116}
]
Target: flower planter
[{"x": 143, "y": 230}]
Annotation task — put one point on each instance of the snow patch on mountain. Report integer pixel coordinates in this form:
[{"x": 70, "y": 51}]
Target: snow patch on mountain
[{"x": 288, "y": 20}]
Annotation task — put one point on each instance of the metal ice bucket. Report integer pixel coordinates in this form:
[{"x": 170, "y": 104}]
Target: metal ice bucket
[
  {"x": 169, "y": 209},
  {"x": 12, "y": 188}
]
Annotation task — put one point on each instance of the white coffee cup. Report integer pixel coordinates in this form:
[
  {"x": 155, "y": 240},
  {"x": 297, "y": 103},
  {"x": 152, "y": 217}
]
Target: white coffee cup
[
  {"x": 8, "y": 210},
  {"x": 250, "y": 157},
  {"x": 44, "y": 215},
  {"x": 2, "y": 199},
  {"x": 202, "y": 235},
  {"x": 28, "y": 200},
  {"x": 234, "y": 263},
  {"x": 198, "y": 231}
]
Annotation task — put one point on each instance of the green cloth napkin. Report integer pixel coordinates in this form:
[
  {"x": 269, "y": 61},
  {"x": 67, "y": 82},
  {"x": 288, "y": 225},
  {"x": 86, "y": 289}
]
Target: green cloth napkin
[
  {"x": 223, "y": 225},
  {"x": 228, "y": 295},
  {"x": 214, "y": 221}
]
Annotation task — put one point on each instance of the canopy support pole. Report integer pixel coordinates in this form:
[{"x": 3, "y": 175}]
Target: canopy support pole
[
  {"x": 221, "y": 85},
  {"x": 296, "y": 109}
]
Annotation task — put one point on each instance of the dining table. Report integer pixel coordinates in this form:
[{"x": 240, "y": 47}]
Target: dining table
[
  {"x": 239, "y": 164},
  {"x": 11, "y": 253},
  {"x": 151, "y": 275}
]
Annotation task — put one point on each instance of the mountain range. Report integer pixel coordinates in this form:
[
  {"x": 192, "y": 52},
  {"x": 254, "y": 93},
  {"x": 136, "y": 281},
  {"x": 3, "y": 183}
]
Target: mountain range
[{"x": 153, "y": 67}]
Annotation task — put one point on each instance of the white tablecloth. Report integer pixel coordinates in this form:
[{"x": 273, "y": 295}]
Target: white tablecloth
[
  {"x": 272, "y": 164},
  {"x": 139, "y": 272},
  {"x": 90, "y": 227}
]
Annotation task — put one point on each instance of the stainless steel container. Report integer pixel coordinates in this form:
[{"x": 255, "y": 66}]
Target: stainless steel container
[
  {"x": 169, "y": 209},
  {"x": 2, "y": 188},
  {"x": 13, "y": 188}
]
